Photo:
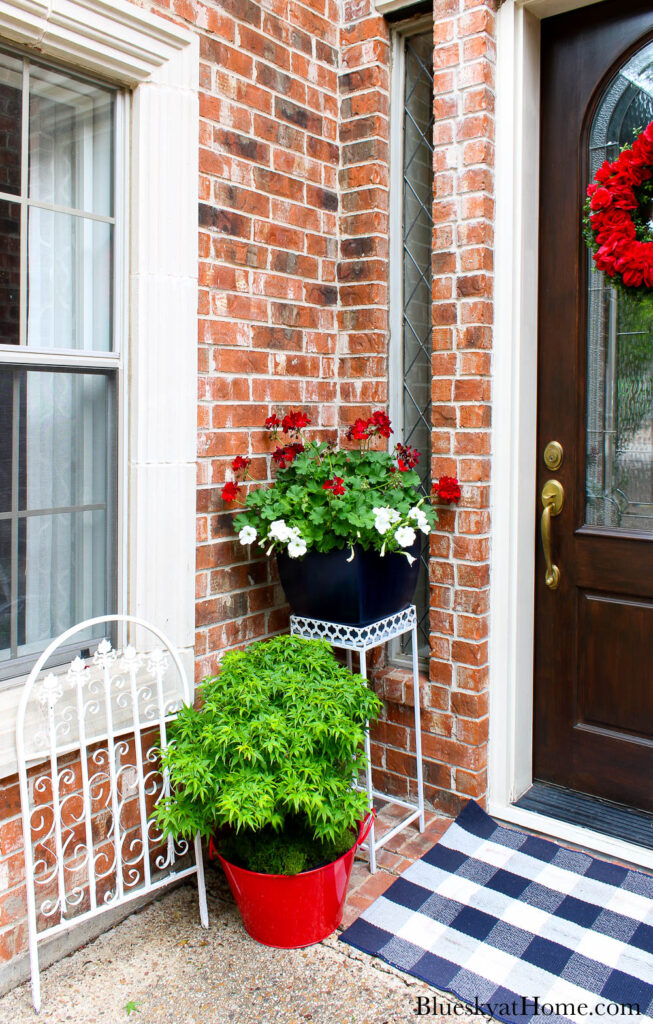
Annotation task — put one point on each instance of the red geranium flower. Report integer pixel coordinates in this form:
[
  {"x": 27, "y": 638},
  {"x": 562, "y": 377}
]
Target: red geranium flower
[
  {"x": 447, "y": 489},
  {"x": 272, "y": 422},
  {"x": 407, "y": 457},
  {"x": 230, "y": 491},
  {"x": 279, "y": 456},
  {"x": 380, "y": 424},
  {"x": 293, "y": 450},
  {"x": 240, "y": 463},
  {"x": 294, "y": 422},
  {"x": 335, "y": 485},
  {"x": 358, "y": 431},
  {"x": 287, "y": 454}
]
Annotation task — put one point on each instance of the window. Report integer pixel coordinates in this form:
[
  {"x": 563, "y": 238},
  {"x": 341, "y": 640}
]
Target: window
[
  {"x": 411, "y": 231},
  {"x": 60, "y": 357}
]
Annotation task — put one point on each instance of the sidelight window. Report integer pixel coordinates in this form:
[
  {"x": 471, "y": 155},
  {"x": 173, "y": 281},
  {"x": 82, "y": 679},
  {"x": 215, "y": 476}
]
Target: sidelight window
[{"x": 411, "y": 231}]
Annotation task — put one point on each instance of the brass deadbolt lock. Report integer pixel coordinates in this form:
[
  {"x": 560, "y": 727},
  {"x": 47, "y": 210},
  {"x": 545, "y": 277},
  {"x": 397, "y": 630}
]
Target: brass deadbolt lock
[{"x": 553, "y": 456}]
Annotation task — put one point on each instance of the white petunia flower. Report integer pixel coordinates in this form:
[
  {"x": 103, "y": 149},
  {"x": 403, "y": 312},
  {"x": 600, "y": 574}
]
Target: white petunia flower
[
  {"x": 279, "y": 530},
  {"x": 405, "y": 536},
  {"x": 297, "y": 548},
  {"x": 247, "y": 535},
  {"x": 384, "y": 518},
  {"x": 422, "y": 522}
]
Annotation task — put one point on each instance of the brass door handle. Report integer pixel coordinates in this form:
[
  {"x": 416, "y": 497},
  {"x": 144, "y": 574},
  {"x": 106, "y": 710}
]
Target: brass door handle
[{"x": 553, "y": 498}]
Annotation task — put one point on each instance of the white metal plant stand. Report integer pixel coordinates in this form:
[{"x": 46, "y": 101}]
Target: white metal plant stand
[
  {"x": 89, "y": 775},
  {"x": 362, "y": 639}
]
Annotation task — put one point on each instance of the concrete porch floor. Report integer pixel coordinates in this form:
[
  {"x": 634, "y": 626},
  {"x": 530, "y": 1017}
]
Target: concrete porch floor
[{"x": 162, "y": 960}]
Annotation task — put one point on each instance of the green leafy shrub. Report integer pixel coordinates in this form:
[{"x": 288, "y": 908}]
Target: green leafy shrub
[{"x": 273, "y": 747}]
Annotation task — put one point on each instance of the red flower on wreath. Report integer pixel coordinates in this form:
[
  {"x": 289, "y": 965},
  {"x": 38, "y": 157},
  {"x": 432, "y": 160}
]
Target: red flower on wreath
[
  {"x": 616, "y": 215},
  {"x": 447, "y": 489}
]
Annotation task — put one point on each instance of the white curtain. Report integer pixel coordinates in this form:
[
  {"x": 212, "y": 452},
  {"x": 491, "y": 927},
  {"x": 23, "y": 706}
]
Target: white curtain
[{"x": 69, "y": 307}]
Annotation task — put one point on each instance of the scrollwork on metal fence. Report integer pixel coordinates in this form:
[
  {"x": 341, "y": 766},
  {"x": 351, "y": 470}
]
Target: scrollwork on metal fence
[{"x": 88, "y": 742}]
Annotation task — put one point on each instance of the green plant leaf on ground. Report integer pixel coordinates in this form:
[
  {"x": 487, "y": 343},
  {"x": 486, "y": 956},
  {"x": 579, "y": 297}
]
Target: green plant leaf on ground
[{"x": 132, "y": 1007}]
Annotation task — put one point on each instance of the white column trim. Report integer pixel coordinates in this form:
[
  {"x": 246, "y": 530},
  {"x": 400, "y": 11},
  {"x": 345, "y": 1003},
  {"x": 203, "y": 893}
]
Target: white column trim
[{"x": 514, "y": 403}]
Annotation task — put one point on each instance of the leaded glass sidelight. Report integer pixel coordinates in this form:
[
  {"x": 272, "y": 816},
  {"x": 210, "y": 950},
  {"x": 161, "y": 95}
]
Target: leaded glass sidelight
[
  {"x": 619, "y": 444},
  {"x": 413, "y": 327}
]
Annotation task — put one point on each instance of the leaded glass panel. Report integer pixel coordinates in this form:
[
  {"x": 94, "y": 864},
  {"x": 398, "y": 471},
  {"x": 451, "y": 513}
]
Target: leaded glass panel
[
  {"x": 417, "y": 247},
  {"x": 619, "y": 445}
]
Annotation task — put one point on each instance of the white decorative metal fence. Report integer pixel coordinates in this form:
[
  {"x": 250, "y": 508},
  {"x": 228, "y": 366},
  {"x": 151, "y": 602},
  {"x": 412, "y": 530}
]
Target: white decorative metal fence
[{"x": 87, "y": 738}]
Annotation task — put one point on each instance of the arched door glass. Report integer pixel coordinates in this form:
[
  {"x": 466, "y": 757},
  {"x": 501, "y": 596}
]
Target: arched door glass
[{"x": 619, "y": 439}]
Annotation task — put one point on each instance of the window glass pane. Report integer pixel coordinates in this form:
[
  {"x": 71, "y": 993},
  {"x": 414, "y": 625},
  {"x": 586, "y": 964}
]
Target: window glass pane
[
  {"x": 55, "y": 563},
  {"x": 417, "y": 244},
  {"x": 65, "y": 578},
  {"x": 11, "y": 108},
  {"x": 619, "y": 439},
  {"x": 70, "y": 142},
  {"x": 69, "y": 272},
  {"x": 5, "y": 590},
  {"x": 64, "y": 440},
  {"x": 418, "y": 230},
  {"x": 9, "y": 273},
  {"x": 6, "y": 439}
]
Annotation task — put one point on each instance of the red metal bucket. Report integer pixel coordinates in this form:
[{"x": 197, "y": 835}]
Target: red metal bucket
[{"x": 288, "y": 911}]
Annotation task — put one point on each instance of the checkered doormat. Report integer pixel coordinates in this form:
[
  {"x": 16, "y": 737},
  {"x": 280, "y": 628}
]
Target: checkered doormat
[{"x": 518, "y": 926}]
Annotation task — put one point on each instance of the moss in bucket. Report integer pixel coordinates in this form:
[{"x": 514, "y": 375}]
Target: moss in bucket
[{"x": 287, "y": 852}]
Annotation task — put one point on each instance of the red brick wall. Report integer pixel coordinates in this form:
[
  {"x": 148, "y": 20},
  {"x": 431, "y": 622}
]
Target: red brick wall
[
  {"x": 464, "y": 62},
  {"x": 268, "y": 262},
  {"x": 454, "y": 696},
  {"x": 294, "y": 164},
  {"x": 294, "y": 277},
  {"x": 293, "y": 310},
  {"x": 364, "y": 191}
]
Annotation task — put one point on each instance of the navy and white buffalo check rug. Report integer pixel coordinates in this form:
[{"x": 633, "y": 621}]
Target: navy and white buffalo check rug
[{"x": 518, "y": 927}]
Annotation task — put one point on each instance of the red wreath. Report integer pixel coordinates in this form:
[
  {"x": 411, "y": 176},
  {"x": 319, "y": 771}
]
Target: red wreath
[{"x": 617, "y": 215}]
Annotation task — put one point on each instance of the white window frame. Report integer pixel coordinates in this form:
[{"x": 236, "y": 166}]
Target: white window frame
[
  {"x": 400, "y": 33},
  {"x": 159, "y": 63},
  {"x": 28, "y": 357}
]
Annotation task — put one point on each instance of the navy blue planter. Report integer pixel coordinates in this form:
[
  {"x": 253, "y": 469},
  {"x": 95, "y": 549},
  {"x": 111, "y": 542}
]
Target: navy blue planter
[{"x": 327, "y": 586}]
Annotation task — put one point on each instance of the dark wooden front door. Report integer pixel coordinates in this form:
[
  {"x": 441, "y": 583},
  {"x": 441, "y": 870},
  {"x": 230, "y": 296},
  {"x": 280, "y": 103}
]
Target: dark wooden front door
[{"x": 593, "y": 709}]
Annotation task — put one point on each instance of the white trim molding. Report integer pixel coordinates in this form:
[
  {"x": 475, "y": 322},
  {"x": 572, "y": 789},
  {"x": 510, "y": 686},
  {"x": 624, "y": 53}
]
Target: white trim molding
[
  {"x": 112, "y": 38},
  {"x": 514, "y": 433},
  {"x": 390, "y": 6},
  {"x": 514, "y": 403},
  {"x": 159, "y": 62}
]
